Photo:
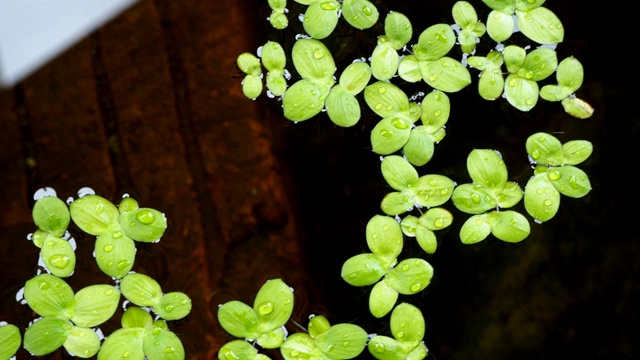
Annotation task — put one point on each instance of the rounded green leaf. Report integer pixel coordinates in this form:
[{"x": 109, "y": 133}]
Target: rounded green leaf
[
  {"x": 514, "y": 57},
  {"x": 390, "y": 134},
  {"x": 467, "y": 41},
  {"x": 475, "y": 229},
  {"x": 297, "y": 346},
  {"x": 407, "y": 325},
  {"x": 577, "y": 107},
  {"x": 434, "y": 43},
  {"x": 141, "y": 289},
  {"x": 58, "y": 256},
  {"x": 386, "y": 348},
  {"x": 144, "y": 224},
  {"x": 313, "y": 60},
  {"x": 273, "y": 56},
  {"x": 576, "y": 151},
  {"x": 46, "y": 335},
  {"x": 545, "y": 149},
  {"x": 436, "y": 219},
  {"x": 135, "y": 317},
  {"x": 511, "y": 195},
  {"x": 173, "y": 306},
  {"x": 95, "y": 304},
  {"x": 384, "y": 237},
  {"x": 252, "y": 86},
  {"x": 509, "y": 226},
  {"x": 304, "y": 100},
  {"x": 386, "y": 99},
  {"x": 398, "y": 29},
  {"x": 473, "y": 199},
  {"x": 570, "y": 181},
  {"x": 82, "y": 342},
  {"x": 418, "y": 353},
  {"x": 570, "y": 74},
  {"x": 500, "y": 25},
  {"x": 396, "y": 203},
  {"x": 273, "y": 304},
  {"x": 355, "y": 77},
  {"x": 10, "y": 340},
  {"x": 52, "y": 215},
  {"x": 433, "y": 190},
  {"x": 272, "y": 339},
  {"x": 277, "y": 5},
  {"x": 115, "y": 252},
  {"x": 321, "y": 18},
  {"x": 410, "y": 276},
  {"x": 540, "y": 25},
  {"x": 163, "y": 344},
  {"x": 128, "y": 204},
  {"x": 342, "y": 341},
  {"x": 48, "y": 295},
  {"x": 409, "y": 69},
  {"x": 384, "y": 61},
  {"x": 398, "y": 173},
  {"x": 446, "y": 74},
  {"x": 276, "y": 82},
  {"x": 539, "y": 64},
  {"x": 491, "y": 83},
  {"x": 361, "y": 14},
  {"x": 279, "y": 20},
  {"x": 409, "y": 225},
  {"x": 521, "y": 93},
  {"x": 464, "y": 14},
  {"x": 342, "y": 107},
  {"x": 505, "y": 6},
  {"x": 93, "y": 214},
  {"x": 239, "y": 320},
  {"x": 420, "y": 147},
  {"x": 554, "y": 92},
  {"x": 426, "y": 239},
  {"x": 436, "y": 108},
  {"x": 362, "y": 270},
  {"x": 123, "y": 344},
  {"x": 317, "y": 325},
  {"x": 382, "y": 299},
  {"x": 249, "y": 64},
  {"x": 541, "y": 199},
  {"x": 237, "y": 349}
]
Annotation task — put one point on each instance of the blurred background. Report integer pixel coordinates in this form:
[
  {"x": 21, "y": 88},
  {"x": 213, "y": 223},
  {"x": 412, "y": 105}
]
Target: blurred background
[{"x": 149, "y": 104}]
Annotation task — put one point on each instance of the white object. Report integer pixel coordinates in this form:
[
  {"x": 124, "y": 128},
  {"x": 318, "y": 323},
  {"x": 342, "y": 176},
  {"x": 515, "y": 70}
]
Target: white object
[{"x": 32, "y": 32}]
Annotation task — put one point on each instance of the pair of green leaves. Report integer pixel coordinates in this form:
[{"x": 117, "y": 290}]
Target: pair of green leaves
[
  {"x": 143, "y": 290},
  {"x": 407, "y": 327},
  {"x": 67, "y": 317},
  {"x": 381, "y": 267},
  {"x": 321, "y": 17},
  {"x": 141, "y": 338},
  {"x": 116, "y": 229},
  {"x": 554, "y": 174},
  {"x": 490, "y": 190},
  {"x": 264, "y": 322},
  {"x": 385, "y": 57},
  {"x": 273, "y": 58},
  {"x": 468, "y": 27},
  {"x": 569, "y": 75},
  {"x": 51, "y": 216},
  {"x": 533, "y": 20}
]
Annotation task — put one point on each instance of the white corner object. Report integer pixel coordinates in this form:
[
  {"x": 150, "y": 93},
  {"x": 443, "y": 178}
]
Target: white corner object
[{"x": 33, "y": 32}]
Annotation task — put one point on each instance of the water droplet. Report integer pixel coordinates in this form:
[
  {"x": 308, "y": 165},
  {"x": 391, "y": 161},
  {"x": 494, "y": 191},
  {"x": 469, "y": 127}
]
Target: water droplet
[
  {"x": 294, "y": 353},
  {"x": 386, "y": 133},
  {"x": 382, "y": 90},
  {"x": 108, "y": 248},
  {"x": 405, "y": 267},
  {"x": 433, "y": 78},
  {"x": 416, "y": 287},
  {"x": 109, "y": 292},
  {"x": 117, "y": 234},
  {"x": 126, "y": 354},
  {"x": 185, "y": 301},
  {"x": 400, "y": 334},
  {"x": 366, "y": 10},
  {"x": 353, "y": 275},
  {"x": 385, "y": 227},
  {"x": 265, "y": 308},
  {"x": 379, "y": 348},
  {"x": 555, "y": 175},
  {"x": 345, "y": 344},
  {"x": 109, "y": 263},
  {"x": 439, "y": 223},
  {"x": 328, "y": 5},
  {"x": 59, "y": 261},
  {"x": 318, "y": 53},
  {"x": 378, "y": 106},
  {"x": 145, "y": 216},
  {"x": 475, "y": 198},
  {"x": 43, "y": 285},
  {"x": 122, "y": 264},
  {"x": 168, "y": 308},
  {"x": 330, "y": 348},
  {"x": 374, "y": 235},
  {"x": 399, "y": 123}
]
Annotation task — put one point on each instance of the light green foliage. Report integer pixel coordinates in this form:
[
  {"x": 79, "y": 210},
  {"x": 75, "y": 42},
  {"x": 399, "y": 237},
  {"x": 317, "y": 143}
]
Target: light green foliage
[
  {"x": 385, "y": 57},
  {"x": 252, "y": 82},
  {"x": 569, "y": 74},
  {"x": 342, "y": 106},
  {"x": 278, "y": 18},
  {"x": 325, "y": 341},
  {"x": 500, "y": 25},
  {"x": 361, "y": 14},
  {"x": 274, "y": 60},
  {"x": 423, "y": 228},
  {"x": 264, "y": 321},
  {"x": 534, "y": 21},
  {"x": 554, "y": 174},
  {"x": 10, "y": 340},
  {"x": 321, "y": 18},
  {"x": 143, "y": 290},
  {"x": 241, "y": 350},
  {"x": 521, "y": 87},
  {"x": 490, "y": 190},
  {"x": 407, "y": 327},
  {"x": 469, "y": 28},
  {"x": 51, "y": 216},
  {"x": 491, "y": 82}
]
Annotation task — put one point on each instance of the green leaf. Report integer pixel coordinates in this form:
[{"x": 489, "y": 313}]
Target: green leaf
[
  {"x": 491, "y": 84},
  {"x": 436, "y": 108},
  {"x": 511, "y": 195},
  {"x": 382, "y": 299},
  {"x": 58, "y": 256},
  {"x": 475, "y": 229},
  {"x": 386, "y": 348},
  {"x": 277, "y": 5},
  {"x": 273, "y": 304},
  {"x": 295, "y": 347},
  {"x": 386, "y": 99},
  {"x": 273, "y": 56},
  {"x": 570, "y": 181},
  {"x": 396, "y": 203},
  {"x": 570, "y": 74},
  {"x": 410, "y": 276},
  {"x": 141, "y": 289},
  {"x": 390, "y": 134},
  {"x": 509, "y": 226},
  {"x": 249, "y": 64},
  {"x": 318, "y": 324},
  {"x": 409, "y": 69},
  {"x": 82, "y": 342},
  {"x": 433, "y": 190},
  {"x": 539, "y": 64},
  {"x": 464, "y": 14},
  {"x": 362, "y": 270},
  {"x": 545, "y": 149},
  {"x": 342, "y": 107},
  {"x": 237, "y": 349},
  {"x": 577, "y": 108},
  {"x": 144, "y": 224},
  {"x": 473, "y": 199},
  {"x": 252, "y": 86},
  {"x": 52, "y": 215},
  {"x": 173, "y": 306},
  {"x": 445, "y": 74},
  {"x": 514, "y": 57},
  {"x": 384, "y": 237},
  {"x": 407, "y": 325},
  {"x": 500, "y": 25},
  {"x": 434, "y": 43},
  {"x": 95, "y": 304},
  {"x": 384, "y": 61},
  {"x": 398, "y": 29},
  {"x": 10, "y": 340},
  {"x": 436, "y": 219},
  {"x": 409, "y": 225},
  {"x": 420, "y": 147},
  {"x": 355, "y": 77},
  {"x": 426, "y": 238},
  {"x": 361, "y": 14},
  {"x": 521, "y": 93},
  {"x": 304, "y": 99},
  {"x": 115, "y": 252},
  {"x": 398, "y": 173},
  {"x": 576, "y": 151},
  {"x": 123, "y": 344},
  {"x": 48, "y": 295},
  {"x": 526, "y": 5},
  {"x": 540, "y": 25},
  {"x": 239, "y": 320},
  {"x": 163, "y": 344},
  {"x": 272, "y": 339},
  {"x": 276, "y": 82},
  {"x": 342, "y": 341},
  {"x": 46, "y": 335},
  {"x": 418, "y": 353},
  {"x": 313, "y": 60},
  {"x": 93, "y": 214},
  {"x": 541, "y": 199},
  {"x": 321, "y": 18},
  {"x": 135, "y": 317},
  {"x": 554, "y": 92},
  {"x": 505, "y": 6}
]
